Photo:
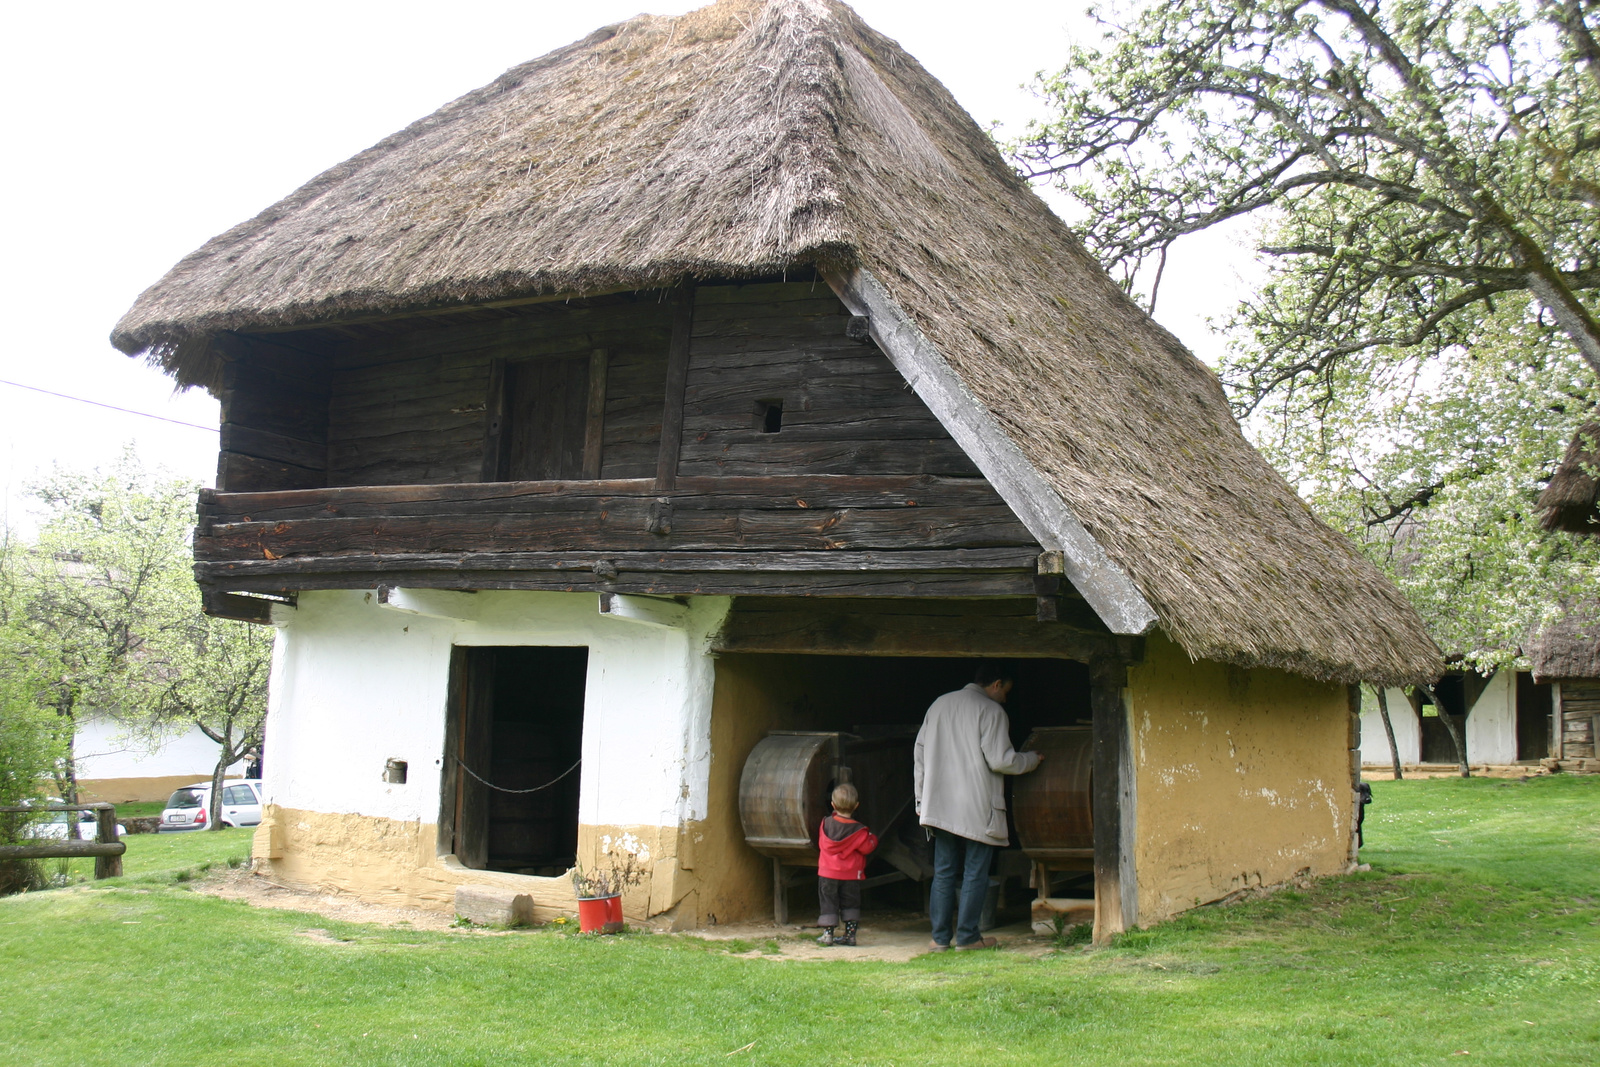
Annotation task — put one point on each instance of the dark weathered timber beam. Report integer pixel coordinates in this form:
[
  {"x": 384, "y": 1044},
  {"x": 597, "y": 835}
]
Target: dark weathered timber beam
[
  {"x": 222, "y": 605},
  {"x": 620, "y": 526},
  {"x": 677, "y": 380},
  {"x": 1113, "y": 803},
  {"x": 1009, "y": 559},
  {"x": 787, "y": 491},
  {"x": 1037, "y": 502},
  {"x": 595, "y": 413},
  {"x": 825, "y": 628},
  {"x": 495, "y": 439},
  {"x": 261, "y": 579}
]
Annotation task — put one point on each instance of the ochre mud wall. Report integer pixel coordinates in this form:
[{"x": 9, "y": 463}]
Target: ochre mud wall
[
  {"x": 138, "y": 790},
  {"x": 1243, "y": 778},
  {"x": 395, "y": 863}
]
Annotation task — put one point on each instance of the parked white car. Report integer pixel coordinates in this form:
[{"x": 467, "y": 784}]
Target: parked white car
[
  {"x": 56, "y": 824},
  {"x": 188, "y": 808}
]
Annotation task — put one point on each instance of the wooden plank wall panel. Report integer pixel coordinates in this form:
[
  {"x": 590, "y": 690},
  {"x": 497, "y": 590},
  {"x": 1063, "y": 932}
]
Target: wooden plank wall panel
[
  {"x": 410, "y": 409},
  {"x": 274, "y": 419},
  {"x": 846, "y": 410}
]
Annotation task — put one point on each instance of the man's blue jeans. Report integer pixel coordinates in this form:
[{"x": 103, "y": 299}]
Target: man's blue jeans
[{"x": 973, "y": 886}]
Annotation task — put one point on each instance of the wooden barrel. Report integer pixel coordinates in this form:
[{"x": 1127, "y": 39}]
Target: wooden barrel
[
  {"x": 783, "y": 794},
  {"x": 1051, "y": 806}
]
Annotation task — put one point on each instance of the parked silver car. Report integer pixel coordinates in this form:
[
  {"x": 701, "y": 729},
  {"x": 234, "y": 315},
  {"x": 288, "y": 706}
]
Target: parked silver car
[{"x": 189, "y": 808}]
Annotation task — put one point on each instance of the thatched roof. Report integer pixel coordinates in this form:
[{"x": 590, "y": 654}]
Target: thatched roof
[
  {"x": 1572, "y": 499},
  {"x": 758, "y": 136},
  {"x": 1570, "y": 646}
]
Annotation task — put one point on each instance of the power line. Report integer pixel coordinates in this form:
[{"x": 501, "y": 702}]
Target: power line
[{"x": 113, "y": 407}]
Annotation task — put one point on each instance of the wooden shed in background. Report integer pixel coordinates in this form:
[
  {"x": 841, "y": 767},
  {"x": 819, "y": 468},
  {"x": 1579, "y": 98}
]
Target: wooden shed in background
[
  {"x": 714, "y": 375},
  {"x": 1567, "y": 653}
]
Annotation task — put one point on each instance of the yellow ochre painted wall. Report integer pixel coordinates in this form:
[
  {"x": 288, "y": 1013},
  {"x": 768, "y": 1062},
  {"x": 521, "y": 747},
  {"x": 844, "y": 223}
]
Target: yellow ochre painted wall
[
  {"x": 1243, "y": 778},
  {"x": 137, "y": 790},
  {"x": 395, "y": 863}
]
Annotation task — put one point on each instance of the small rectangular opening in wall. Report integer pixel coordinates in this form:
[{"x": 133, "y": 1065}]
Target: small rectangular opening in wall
[
  {"x": 515, "y": 738},
  {"x": 768, "y": 416}
]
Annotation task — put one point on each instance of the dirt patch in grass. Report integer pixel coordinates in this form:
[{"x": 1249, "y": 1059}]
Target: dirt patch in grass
[
  {"x": 254, "y": 889},
  {"x": 891, "y": 938}
]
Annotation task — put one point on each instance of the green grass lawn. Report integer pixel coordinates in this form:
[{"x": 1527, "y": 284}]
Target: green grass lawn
[
  {"x": 1473, "y": 939},
  {"x": 160, "y": 858}
]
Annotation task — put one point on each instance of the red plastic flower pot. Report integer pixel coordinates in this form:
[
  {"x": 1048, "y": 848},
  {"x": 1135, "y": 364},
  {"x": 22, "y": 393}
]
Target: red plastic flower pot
[{"x": 594, "y": 913}]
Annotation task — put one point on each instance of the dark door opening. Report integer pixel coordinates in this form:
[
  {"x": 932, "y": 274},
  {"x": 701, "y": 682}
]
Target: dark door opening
[
  {"x": 1436, "y": 743},
  {"x": 1533, "y": 717},
  {"x": 515, "y": 722},
  {"x": 878, "y": 699}
]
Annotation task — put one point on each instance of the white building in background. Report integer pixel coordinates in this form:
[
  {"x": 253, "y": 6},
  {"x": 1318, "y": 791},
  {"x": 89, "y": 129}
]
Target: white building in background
[
  {"x": 122, "y": 769},
  {"x": 1508, "y": 720}
]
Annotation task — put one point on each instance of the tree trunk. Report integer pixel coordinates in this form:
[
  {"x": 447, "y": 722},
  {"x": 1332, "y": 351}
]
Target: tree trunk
[
  {"x": 67, "y": 777},
  {"x": 225, "y": 756},
  {"x": 1388, "y": 728},
  {"x": 1454, "y": 729}
]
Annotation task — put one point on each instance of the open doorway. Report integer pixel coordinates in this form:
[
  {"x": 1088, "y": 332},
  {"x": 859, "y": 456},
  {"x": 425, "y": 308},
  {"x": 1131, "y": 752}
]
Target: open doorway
[
  {"x": 1533, "y": 718},
  {"x": 875, "y": 698},
  {"x": 513, "y": 741}
]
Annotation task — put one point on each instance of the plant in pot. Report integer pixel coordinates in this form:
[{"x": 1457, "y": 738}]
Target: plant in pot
[{"x": 600, "y": 888}]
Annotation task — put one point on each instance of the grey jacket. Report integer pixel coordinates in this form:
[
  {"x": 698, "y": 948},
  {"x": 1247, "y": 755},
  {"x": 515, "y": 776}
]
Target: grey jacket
[{"x": 963, "y": 748}]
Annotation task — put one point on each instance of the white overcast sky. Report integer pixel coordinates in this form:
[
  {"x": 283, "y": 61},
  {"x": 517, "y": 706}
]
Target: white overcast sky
[{"x": 137, "y": 131}]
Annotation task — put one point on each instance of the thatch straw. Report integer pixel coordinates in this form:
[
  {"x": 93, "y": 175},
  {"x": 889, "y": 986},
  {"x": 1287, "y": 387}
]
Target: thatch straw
[
  {"x": 1570, "y": 646},
  {"x": 753, "y": 137},
  {"x": 1572, "y": 499}
]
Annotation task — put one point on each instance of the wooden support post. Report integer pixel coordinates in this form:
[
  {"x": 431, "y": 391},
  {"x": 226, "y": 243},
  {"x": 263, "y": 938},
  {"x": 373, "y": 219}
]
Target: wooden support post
[
  {"x": 780, "y": 894},
  {"x": 595, "y": 423},
  {"x": 677, "y": 381},
  {"x": 1115, "y": 888},
  {"x": 495, "y": 440},
  {"x": 1049, "y": 578},
  {"x": 106, "y": 833},
  {"x": 1354, "y": 746}
]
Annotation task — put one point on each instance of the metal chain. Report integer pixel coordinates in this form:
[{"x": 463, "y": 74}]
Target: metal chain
[{"x": 503, "y": 789}]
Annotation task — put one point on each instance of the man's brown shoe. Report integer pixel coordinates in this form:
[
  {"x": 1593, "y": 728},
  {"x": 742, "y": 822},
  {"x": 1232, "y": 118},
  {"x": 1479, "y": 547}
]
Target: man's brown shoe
[
  {"x": 982, "y": 942},
  {"x": 934, "y": 946}
]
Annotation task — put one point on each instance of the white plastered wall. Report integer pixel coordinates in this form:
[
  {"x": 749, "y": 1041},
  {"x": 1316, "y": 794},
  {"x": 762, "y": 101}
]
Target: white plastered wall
[
  {"x": 1407, "y": 731},
  {"x": 1492, "y": 722},
  {"x": 1491, "y": 725},
  {"x": 103, "y": 748},
  {"x": 356, "y": 683}
]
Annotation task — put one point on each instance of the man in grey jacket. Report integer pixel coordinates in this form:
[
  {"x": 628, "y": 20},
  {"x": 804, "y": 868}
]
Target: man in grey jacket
[{"x": 963, "y": 748}]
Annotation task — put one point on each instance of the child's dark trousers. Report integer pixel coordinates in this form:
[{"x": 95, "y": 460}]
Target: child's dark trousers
[{"x": 838, "y": 899}]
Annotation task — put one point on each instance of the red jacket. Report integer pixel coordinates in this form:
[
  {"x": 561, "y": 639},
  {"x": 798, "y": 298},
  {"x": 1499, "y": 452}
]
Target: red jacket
[{"x": 844, "y": 844}]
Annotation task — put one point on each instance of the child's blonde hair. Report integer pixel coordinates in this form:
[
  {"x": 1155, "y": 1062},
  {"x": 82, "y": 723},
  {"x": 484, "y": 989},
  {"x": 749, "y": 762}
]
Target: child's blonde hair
[{"x": 845, "y": 798}]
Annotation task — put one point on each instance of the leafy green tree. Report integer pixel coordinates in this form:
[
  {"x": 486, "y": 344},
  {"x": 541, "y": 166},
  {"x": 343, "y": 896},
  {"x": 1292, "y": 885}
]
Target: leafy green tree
[
  {"x": 1433, "y": 466},
  {"x": 107, "y": 596},
  {"x": 31, "y": 741},
  {"x": 1423, "y": 178},
  {"x": 1419, "y": 165}
]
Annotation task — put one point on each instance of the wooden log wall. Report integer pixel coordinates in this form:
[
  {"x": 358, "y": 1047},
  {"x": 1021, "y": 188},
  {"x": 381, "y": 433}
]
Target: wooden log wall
[
  {"x": 819, "y": 535},
  {"x": 1580, "y": 704},
  {"x": 274, "y": 429},
  {"x": 844, "y": 408},
  {"x": 410, "y": 409},
  {"x": 365, "y": 452}
]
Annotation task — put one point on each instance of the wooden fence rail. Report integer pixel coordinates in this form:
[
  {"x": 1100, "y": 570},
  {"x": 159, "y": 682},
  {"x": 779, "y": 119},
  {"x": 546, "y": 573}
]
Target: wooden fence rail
[{"x": 105, "y": 848}]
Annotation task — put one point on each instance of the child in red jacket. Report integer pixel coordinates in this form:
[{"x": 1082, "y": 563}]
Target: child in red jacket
[{"x": 843, "y": 864}]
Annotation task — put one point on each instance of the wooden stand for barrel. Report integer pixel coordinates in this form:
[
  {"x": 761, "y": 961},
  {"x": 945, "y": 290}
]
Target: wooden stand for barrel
[
  {"x": 784, "y": 796},
  {"x": 1052, "y": 806}
]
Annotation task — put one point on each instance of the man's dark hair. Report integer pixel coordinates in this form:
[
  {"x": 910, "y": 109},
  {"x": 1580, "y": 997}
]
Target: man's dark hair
[{"x": 994, "y": 670}]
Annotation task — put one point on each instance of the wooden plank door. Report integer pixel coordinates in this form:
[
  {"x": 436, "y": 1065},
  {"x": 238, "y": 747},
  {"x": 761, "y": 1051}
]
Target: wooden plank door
[{"x": 548, "y": 403}]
